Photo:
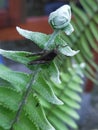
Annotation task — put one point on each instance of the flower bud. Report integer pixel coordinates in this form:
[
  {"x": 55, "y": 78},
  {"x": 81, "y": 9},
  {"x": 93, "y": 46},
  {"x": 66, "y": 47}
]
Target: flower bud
[{"x": 60, "y": 19}]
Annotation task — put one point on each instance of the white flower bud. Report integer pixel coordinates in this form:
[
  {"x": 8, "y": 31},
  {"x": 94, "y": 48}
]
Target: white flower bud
[{"x": 60, "y": 19}]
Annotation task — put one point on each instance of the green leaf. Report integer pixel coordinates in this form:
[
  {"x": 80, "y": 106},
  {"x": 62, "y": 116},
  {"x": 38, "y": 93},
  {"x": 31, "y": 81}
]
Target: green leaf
[
  {"x": 65, "y": 118},
  {"x": 57, "y": 122},
  {"x": 70, "y": 111},
  {"x": 6, "y": 116},
  {"x": 38, "y": 38},
  {"x": 19, "y": 80},
  {"x": 87, "y": 68},
  {"x": 72, "y": 94},
  {"x": 4, "y": 83},
  {"x": 86, "y": 8},
  {"x": 1, "y": 128},
  {"x": 80, "y": 13},
  {"x": 92, "y": 4},
  {"x": 9, "y": 98},
  {"x": 65, "y": 77},
  {"x": 24, "y": 123},
  {"x": 86, "y": 50},
  {"x": 36, "y": 113},
  {"x": 96, "y": 18},
  {"x": 19, "y": 56},
  {"x": 44, "y": 89},
  {"x": 64, "y": 48},
  {"x": 91, "y": 39},
  {"x": 67, "y": 51},
  {"x": 77, "y": 79},
  {"x": 53, "y": 72},
  {"x": 93, "y": 29},
  {"x": 75, "y": 87},
  {"x": 70, "y": 102},
  {"x": 79, "y": 23}
]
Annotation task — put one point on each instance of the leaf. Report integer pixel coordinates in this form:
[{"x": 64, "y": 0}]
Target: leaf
[
  {"x": 53, "y": 72},
  {"x": 92, "y": 4},
  {"x": 37, "y": 114},
  {"x": 19, "y": 80},
  {"x": 73, "y": 95},
  {"x": 86, "y": 50},
  {"x": 19, "y": 56},
  {"x": 6, "y": 116},
  {"x": 24, "y": 123},
  {"x": 65, "y": 118},
  {"x": 86, "y": 8},
  {"x": 4, "y": 83},
  {"x": 75, "y": 87},
  {"x": 94, "y": 30},
  {"x": 64, "y": 48},
  {"x": 44, "y": 89},
  {"x": 79, "y": 23},
  {"x": 96, "y": 18},
  {"x": 57, "y": 122},
  {"x": 70, "y": 102},
  {"x": 80, "y": 13},
  {"x": 69, "y": 111},
  {"x": 87, "y": 68},
  {"x": 38, "y": 38},
  {"x": 9, "y": 98},
  {"x": 67, "y": 51},
  {"x": 68, "y": 80},
  {"x": 91, "y": 39}
]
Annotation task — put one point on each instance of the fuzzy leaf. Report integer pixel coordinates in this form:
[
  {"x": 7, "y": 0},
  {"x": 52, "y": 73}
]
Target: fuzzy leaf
[
  {"x": 54, "y": 73},
  {"x": 38, "y": 38},
  {"x": 19, "y": 56},
  {"x": 64, "y": 48},
  {"x": 67, "y": 51}
]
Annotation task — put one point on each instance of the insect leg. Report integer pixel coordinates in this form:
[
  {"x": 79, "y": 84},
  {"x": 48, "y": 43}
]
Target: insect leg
[
  {"x": 38, "y": 62},
  {"x": 35, "y": 54}
]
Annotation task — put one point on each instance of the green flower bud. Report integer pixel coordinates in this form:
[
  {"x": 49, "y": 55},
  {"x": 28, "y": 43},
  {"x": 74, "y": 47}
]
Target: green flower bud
[{"x": 60, "y": 19}]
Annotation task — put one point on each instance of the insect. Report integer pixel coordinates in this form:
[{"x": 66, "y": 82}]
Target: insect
[{"x": 45, "y": 57}]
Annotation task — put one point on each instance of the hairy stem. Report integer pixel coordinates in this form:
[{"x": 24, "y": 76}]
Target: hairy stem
[
  {"x": 25, "y": 96},
  {"x": 51, "y": 39}
]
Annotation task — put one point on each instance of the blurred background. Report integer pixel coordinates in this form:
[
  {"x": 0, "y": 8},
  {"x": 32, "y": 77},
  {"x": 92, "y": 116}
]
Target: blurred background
[{"x": 33, "y": 15}]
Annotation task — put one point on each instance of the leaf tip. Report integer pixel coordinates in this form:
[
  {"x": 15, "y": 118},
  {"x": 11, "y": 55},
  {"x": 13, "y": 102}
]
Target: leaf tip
[
  {"x": 58, "y": 101},
  {"x": 18, "y": 29}
]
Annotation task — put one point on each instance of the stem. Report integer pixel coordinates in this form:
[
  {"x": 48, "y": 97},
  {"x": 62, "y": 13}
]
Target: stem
[
  {"x": 25, "y": 96},
  {"x": 52, "y": 38}
]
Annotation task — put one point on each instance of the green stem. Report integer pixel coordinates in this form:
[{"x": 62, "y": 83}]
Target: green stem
[
  {"x": 51, "y": 39},
  {"x": 25, "y": 96}
]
